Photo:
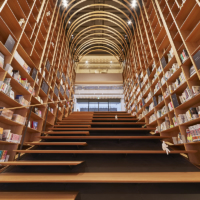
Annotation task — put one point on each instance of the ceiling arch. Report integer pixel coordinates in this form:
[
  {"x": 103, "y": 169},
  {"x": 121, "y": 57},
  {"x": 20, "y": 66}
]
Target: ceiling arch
[{"x": 113, "y": 21}]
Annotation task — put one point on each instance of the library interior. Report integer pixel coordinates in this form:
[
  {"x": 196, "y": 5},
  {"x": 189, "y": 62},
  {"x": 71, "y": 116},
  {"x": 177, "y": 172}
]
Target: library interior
[{"x": 99, "y": 99}]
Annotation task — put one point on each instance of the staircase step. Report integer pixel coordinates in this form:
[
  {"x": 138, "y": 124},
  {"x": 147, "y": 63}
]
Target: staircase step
[
  {"x": 39, "y": 195},
  {"x": 104, "y": 129},
  {"x": 21, "y": 163},
  {"x": 100, "y": 119},
  {"x": 102, "y": 123},
  {"x": 126, "y": 177},
  {"x": 106, "y": 151},
  {"x": 107, "y": 137},
  {"x": 68, "y": 132},
  {"x": 57, "y": 143},
  {"x": 75, "y": 125}
]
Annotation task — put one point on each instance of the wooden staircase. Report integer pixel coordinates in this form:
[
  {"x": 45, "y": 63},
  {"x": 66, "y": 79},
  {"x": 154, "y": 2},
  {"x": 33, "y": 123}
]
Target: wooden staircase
[{"x": 81, "y": 138}]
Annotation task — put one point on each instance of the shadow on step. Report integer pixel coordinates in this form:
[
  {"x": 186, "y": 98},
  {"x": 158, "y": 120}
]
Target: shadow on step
[{"x": 113, "y": 191}]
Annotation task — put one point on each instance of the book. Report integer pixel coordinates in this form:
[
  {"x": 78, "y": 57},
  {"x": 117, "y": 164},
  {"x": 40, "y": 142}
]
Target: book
[
  {"x": 175, "y": 100},
  {"x": 1, "y": 60},
  {"x": 48, "y": 65},
  {"x": 196, "y": 59},
  {"x": 34, "y": 125},
  {"x": 34, "y": 73},
  {"x": 9, "y": 69},
  {"x": 1, "y": 133},
  {"x": 10, "y": 43},
  {"x": 6, "y": 134},
  {"x": 163, "y": 62},
  {"x": 4, "y": 156}
]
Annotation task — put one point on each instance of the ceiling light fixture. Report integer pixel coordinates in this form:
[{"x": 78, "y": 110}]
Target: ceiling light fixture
[
  {"x": 69, "y": 22},
  {"x": 134, "y": 3},
  {"x": 86, "y": 62},
  {"x": 129, "y": 22},
  {"x": 110, "y": 61},
  {"x": 65, "y": 3}
]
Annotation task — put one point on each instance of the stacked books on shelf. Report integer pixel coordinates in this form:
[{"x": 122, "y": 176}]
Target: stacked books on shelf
[
  {"x": 20, "y": 99},
  {"x": 10, "y": 115},
  {"x": 3, "y": 156},
  {"x": 39, "y": 99},
  {"x": 152, "y": 118},
  {"x": 37, "y": 111},
  {"x": 184, "y": 56},
  {"x": 188, "y": 93},
  {"x": 160, "y": 98},
  {"x": 22, "y": 62},
  {"x": 165, "y": 125},
  {"x": 192, "y": 113},
  {"x": 148, "y": 97},
  {"x": 179, "y": 81},
  {"x": 157, "y": 87},
  {"x": 162, "y": 112},
  {"x": 180, "y": 139},
  {"x": 193, "y": 133},
  {"x": 175, "y": 121},
  {"x": 6, "y": 135},
  {"x": 171, "y": 71},
  {"x": 170, "y": 105},
  {"x": 6, "y": 88},
  {"x": 166, "y": 93}
]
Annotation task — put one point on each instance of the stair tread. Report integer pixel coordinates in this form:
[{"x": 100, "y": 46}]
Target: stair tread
[
  {"x": 105, "y": 137},
  {"x": 39, "y": 195},
  {"x": 102, "y": 123},
  {"x": 57, "y": 143},
  {"x": 42, "y": 163},
  {"x": 107, "y": 151},
  {"x": 126, "y": 177},
  {"x": 105, "y": 129},
  {"x": 68, "y": 132}
]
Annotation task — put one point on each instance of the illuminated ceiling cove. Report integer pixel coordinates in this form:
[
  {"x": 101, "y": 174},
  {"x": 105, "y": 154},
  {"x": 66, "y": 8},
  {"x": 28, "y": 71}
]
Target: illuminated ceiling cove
[{"x": 100, "y": 27}]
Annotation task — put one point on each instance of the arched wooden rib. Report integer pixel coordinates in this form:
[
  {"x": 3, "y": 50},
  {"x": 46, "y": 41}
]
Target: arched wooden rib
[
  {"x": 98, "y": 13},
  {"x": 98, "y": 40},
  {"x": 99, "y": 46},
  {"x": 84, "y": 31},
  {"x": 120, "y": 53},
  {"x": 99, "y": 34},
  {"x": 114, "y": 20},
  {"x": 99, "y": 50}
]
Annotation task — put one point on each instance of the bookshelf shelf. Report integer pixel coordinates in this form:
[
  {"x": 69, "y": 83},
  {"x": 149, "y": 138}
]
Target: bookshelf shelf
[
  {"x": 177, "y": 31},
  {"x": 33, "y": 42}
]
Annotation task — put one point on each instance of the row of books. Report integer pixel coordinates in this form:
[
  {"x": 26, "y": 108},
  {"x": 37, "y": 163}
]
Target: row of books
[
  {"x": 184, "y": 56},
  {"x": 162, "y": 112},
  {"x": 152, "y": 118},
  {"x": 193, "y": 133},
  {"x": 37, "y": 111},
  {"x": 169, "y": 73},
  {"x": 179, "y": 81},
  {"x": 192, "y": 113},
  {"x": 9, "y": 114},
  {"x": 188, "y": 93},
  {"x": 157, "y": 87},
  {"x": 180, "y": 139},
  {"x": 33, "y": 125},
  {"x": 3, "y": 156},
  {"x": 6, "y": 135}
]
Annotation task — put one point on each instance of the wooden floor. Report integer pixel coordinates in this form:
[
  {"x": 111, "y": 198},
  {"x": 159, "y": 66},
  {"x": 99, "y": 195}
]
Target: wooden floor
[{"x": 153, "y": 177}]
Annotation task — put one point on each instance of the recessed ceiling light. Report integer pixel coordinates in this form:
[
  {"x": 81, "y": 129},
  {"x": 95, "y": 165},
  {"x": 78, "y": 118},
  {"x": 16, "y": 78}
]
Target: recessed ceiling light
[
  {"x": 69, "y": 22},
  {"x": 65, "y": 3},
  {"x": 134, "y": 3},
  {"x": 129, "y": 22},
  {"x": 86, "y": 61},
  {"x": 110, "y": 61}
]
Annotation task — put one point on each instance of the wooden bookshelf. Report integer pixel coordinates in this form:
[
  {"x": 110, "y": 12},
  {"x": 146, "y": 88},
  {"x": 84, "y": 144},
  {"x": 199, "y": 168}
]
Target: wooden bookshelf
[
  {"x": 165, "y": 25},
  {"x": 39, "y": 39}
]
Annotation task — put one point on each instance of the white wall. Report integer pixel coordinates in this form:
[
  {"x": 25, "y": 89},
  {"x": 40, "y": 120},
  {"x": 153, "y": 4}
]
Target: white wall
[{"x": 98, "y": 78}]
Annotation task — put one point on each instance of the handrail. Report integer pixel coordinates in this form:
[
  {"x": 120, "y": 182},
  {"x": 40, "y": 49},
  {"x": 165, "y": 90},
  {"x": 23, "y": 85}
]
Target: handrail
[{"x": 34, "y": 105}]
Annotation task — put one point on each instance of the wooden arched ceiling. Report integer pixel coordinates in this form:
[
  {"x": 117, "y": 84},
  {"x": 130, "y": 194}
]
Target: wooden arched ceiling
[{"x": 96, "y": 26}]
